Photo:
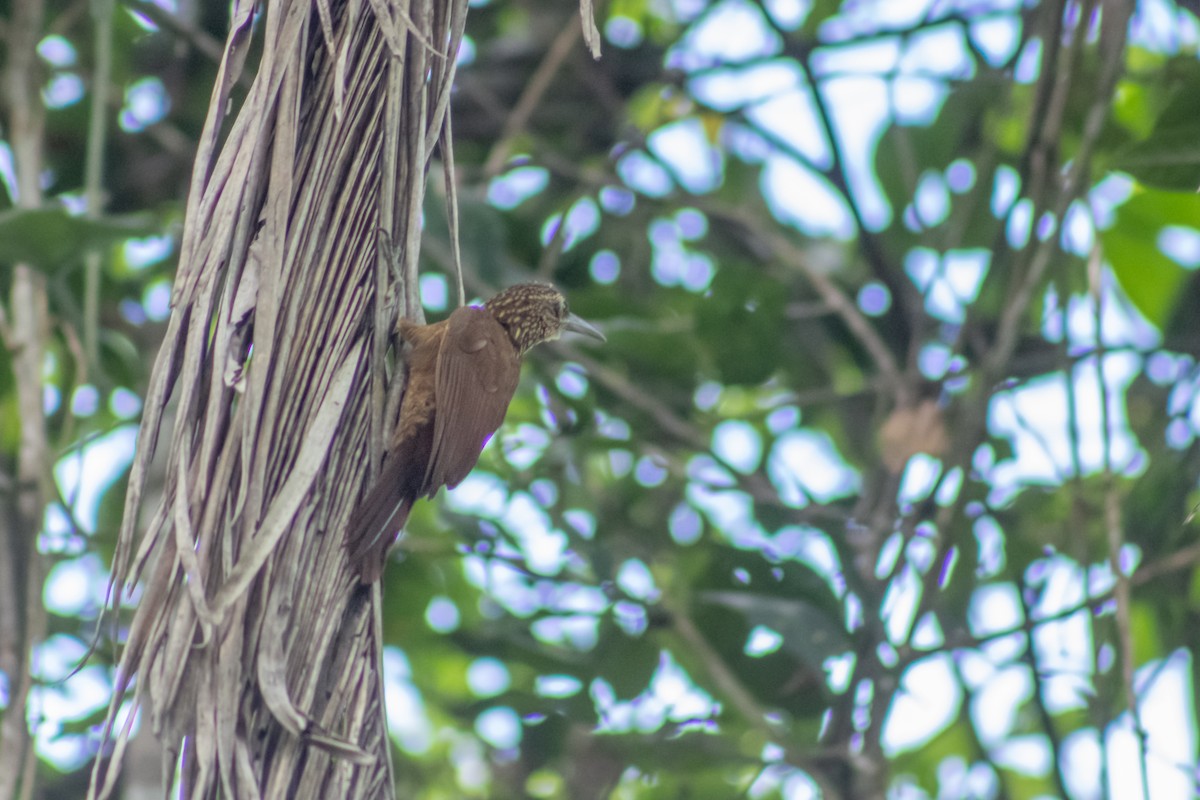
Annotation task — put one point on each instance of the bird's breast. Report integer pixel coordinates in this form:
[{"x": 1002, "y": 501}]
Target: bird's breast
[{"x": 420, "y": 392}]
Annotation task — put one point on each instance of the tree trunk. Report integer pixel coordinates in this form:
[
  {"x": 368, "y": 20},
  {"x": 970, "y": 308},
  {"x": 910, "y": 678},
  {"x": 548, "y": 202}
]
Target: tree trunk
[
  {"x": 25, "y": 329},
  {"x": 256, "y": 650}
]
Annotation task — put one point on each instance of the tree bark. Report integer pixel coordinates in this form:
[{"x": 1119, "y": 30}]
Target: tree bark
[{"x": 25, "y": 329}]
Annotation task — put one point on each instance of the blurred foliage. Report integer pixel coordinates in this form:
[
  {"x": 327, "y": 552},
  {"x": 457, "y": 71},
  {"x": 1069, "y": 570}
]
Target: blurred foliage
[{"x": 684, "y": 567}]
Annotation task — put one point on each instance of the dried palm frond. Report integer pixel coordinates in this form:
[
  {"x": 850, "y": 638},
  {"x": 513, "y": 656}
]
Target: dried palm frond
[{"x": 253, "y": 647}]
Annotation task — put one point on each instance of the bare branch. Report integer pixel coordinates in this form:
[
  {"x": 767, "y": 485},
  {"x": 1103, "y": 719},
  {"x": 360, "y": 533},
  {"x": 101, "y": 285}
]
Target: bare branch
[{"x": 530, "y": 97}]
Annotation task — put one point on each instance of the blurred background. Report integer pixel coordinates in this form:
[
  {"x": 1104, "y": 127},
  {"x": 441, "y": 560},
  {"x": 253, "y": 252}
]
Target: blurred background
[{"x": 882, "y": 485}]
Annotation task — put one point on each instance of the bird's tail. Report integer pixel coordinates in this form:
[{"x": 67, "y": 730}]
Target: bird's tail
[{"x": 373, "y": 527}]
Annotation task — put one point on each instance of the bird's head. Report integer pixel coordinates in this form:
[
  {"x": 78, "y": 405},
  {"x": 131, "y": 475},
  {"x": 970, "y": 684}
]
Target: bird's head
[{"x": 533, "y": 313}]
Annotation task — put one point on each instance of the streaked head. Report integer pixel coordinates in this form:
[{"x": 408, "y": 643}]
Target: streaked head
[{"x": 533, "y": 313}]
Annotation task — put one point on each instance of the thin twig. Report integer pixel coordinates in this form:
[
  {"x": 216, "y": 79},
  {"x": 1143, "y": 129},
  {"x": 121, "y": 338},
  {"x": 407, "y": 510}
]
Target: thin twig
[
  {"x": 1112, "y": 46},
  {"x": 528, "y": 102},
  {"x": 732, "y": 688},
  {"x": 205, "y": 44},
  {"x": 837, "y": 300},
  {"x": 1115, "y": 536},
  {"x": 1185, "y": 558},
  {"x": 1046, "y": 720},
  {"x": 451, "y": 178},
  {"x": 93, "y": 181}
]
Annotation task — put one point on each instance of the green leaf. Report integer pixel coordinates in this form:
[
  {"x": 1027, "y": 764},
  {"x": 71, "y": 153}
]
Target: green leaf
[
  {"x": 808, "y": 633},
  {"x": 1150, "y": 278},
  {"x": 50, "y": 238},
  {"x": 788, "y": 597},
  {"x": 741, "y": 323},
  {"x": 819, "y": 11},
  {"x": 627, "y": 662},
  {"x": 1168, "y": 159}
]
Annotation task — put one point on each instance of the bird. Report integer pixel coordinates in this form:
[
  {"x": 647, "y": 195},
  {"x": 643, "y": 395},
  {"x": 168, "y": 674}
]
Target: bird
[{"x": 462, "y": 374}]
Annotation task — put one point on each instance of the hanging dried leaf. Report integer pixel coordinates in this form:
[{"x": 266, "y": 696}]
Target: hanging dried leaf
[{"x": 909, "y": 430}]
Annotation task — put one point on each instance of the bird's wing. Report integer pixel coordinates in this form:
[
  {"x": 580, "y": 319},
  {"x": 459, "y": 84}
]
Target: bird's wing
[{"x": 477, "y": 373}]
